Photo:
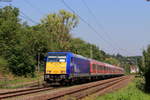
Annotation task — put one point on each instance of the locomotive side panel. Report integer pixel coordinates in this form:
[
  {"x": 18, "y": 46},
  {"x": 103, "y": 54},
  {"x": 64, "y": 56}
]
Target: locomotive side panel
[{"x": 80, "y": 67}]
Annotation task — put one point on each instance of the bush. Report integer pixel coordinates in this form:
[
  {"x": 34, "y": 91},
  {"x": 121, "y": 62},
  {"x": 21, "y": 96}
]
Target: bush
[
  {"x": 146, "y": 54},
  {"x": 3, "y": 65},
  {"x": 131, "y": 92},
  {"x": 147, "y": 80},
  {"x": 21, "y": 63}
]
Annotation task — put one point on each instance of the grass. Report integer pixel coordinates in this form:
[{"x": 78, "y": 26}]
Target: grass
[
  {"x": 17, "y": 82},
  {"x": 131, "y": 92}
]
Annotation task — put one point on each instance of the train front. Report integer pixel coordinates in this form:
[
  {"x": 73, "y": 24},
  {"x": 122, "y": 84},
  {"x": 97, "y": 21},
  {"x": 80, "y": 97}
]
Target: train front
[{"x": 56, "y": 67}]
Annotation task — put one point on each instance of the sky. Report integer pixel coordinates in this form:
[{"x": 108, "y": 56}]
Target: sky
[{"x": 120, "y": 26}]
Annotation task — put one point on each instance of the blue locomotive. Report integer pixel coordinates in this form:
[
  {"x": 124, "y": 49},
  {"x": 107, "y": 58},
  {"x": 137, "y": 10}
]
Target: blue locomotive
[{"x": 66, "y": 67}]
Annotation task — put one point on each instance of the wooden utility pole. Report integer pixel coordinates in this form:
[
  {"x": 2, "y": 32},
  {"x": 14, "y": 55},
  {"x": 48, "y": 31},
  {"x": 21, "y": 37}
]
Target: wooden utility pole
[
  {"x": 91, "y": 52},
  {"x": 38, "y": 67}
]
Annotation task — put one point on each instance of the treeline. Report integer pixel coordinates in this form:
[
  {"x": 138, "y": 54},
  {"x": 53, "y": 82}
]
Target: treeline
[
  {"x": 23, "y": 47},
  {"x": 144, "y": 66}
]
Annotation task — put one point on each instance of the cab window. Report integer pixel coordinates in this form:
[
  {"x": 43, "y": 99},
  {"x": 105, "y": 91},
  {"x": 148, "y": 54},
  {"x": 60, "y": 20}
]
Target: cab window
[{"x": 56, "y": 59}]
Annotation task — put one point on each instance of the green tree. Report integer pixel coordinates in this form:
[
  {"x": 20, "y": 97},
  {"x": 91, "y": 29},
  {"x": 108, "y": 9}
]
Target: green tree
[
  {"x": 21, "y": 63},
  {"x": 140, "y": 65},
  {"x": 146, "y": 54},
  {"x": 112, "y": 61},
  {"x": 9, "y": 25},
  {"x": 97, "y": 53},
  {"x": 79, "y": 46},
  {"x": 58, "y": 26},
  {"x": 12, "y": 42}
]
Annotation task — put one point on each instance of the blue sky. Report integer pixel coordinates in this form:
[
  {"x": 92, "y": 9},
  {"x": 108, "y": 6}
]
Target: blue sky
[{"x": 124, "y": 24}]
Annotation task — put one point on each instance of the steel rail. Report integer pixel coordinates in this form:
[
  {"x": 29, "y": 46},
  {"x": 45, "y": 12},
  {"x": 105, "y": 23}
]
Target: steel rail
[
  {"x": 23, "y": 92},
  {"x": 80, "y": 91}
]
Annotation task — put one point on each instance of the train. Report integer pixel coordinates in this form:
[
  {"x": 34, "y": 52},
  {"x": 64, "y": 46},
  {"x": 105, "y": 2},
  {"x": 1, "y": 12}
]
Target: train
[{"x": 67, "y": 67}]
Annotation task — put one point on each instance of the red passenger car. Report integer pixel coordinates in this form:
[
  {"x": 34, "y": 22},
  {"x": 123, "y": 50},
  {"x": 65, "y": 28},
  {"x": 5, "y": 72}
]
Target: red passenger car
[{"x": 98, "y": 68}]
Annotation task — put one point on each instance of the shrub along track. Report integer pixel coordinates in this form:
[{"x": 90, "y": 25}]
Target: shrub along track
[
  {"x": 84, "y": 90},
  {"x": 7, "y": 84}
]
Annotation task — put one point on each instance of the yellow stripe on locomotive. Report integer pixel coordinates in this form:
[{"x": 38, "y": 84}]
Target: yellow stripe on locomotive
[
  {"x": 56, "y": 65},
  {"x": 56, "y": 68}
]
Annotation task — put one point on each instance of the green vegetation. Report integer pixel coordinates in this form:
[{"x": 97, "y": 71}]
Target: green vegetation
[
  {"x": 18, "y": 82},
  {"x": 144, "y": 66},
  {"x": 146, "y": 55},
  {"x": 23, "y": 47},
  {"x": 113, "y": 61},
  {"x": 12, "y": 43},
  {"x": 3, "y": 65},
  {"x": 131, "y": 92},
  {"x": 122, "y": 61}
]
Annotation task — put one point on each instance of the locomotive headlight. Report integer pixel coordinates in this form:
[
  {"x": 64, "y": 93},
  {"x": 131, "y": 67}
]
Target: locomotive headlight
[
  {"x": 48, "y": 72},
  {"x": 62, "y": 72},
  {"x": 46, "y": 76}
]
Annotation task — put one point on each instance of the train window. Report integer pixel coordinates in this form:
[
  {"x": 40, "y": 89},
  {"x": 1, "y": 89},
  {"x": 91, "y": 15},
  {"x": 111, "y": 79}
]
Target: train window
[
  {"x": 100, "y": 67},
  {"x": 53, "y": 60},
  {"x": 62, "y": 60},
  {"x": 104, "y": 68},
  {"x": 97, "y": 67},
  {"x": 94, "y": 67},
  {"x": 56, "y": 58}
]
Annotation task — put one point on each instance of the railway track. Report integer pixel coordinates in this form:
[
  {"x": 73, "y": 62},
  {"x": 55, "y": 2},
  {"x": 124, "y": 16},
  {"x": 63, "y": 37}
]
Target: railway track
[
  {"x": 84, "y": 90},
  {"x": 76, "y": 92},
  {"x": 15, "y": 93}
]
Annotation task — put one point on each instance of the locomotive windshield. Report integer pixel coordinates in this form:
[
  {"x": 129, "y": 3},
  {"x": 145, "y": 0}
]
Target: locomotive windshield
[{"x": 56, "y": 59}]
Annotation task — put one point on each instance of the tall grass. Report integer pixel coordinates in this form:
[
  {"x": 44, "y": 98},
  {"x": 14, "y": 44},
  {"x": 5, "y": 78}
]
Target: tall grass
[
  {"x": 131, "y": 92},
  {"x": 3, "y": 66},
  {"x": 17, "y": 82}
]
